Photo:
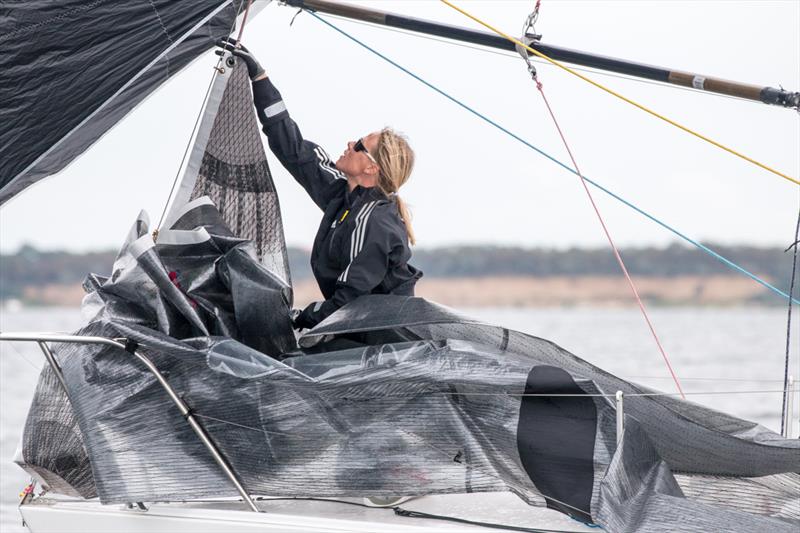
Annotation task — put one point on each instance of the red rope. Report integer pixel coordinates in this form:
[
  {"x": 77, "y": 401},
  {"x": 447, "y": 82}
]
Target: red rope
[
  {"x": 244, "y": 20},
  {"x": 611, "y": 242}
]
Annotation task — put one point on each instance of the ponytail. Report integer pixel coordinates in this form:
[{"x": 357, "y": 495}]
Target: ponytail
[
  {"x": 405, "y": 214},
  {"x": 396, "y": 161}
]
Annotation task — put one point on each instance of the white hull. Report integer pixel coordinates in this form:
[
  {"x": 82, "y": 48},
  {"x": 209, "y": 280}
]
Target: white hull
[{"x": 45, "y": 515}]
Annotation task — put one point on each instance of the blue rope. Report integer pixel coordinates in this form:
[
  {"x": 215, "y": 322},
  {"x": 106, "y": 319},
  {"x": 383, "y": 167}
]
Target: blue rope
[{"x": 688, "y": 239}]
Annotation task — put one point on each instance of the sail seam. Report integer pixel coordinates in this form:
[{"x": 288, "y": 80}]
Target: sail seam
[
  {"x": 62, "y": 16},
  {"x": 161, "y": 22}
]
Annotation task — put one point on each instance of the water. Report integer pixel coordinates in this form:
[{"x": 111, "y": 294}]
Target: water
[
  {"x": 711, "y": 350},
  {"x": 19, "y": 369}
]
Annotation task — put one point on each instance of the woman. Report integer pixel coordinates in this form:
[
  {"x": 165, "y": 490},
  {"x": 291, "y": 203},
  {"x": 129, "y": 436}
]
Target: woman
[{"x": 362, "y": 245}]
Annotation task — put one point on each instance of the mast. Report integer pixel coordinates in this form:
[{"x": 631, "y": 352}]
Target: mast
[{"x": 767, "y": 95}]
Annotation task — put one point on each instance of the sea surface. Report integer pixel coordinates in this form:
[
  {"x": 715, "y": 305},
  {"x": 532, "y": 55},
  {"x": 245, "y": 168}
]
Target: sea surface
[{"x": 720, "y": 355}]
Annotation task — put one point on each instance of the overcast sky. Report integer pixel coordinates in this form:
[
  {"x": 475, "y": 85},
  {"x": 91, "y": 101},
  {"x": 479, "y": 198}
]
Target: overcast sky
[{"x": 472, "y": 183}]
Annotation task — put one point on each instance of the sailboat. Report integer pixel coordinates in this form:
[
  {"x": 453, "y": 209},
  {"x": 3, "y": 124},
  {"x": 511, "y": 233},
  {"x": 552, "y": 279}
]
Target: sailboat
[{"x": 188, "y": 402}]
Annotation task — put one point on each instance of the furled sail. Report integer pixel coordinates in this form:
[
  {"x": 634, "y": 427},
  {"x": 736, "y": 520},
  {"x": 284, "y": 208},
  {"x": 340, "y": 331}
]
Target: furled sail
[{"x": 71, "y": 69}]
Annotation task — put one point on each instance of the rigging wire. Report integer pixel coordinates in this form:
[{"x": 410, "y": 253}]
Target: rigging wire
[
  {"x": 528, "y": 395},
  {"x": 399, "y": 511},
  {"x": 407, "y": 513},
  {"x": 32, "y": 365},
  {"x": 795, "y": 245},
  {"x": 744, "y": 380},
  {"x": 597, "y": 395},
  {"x": 185, "y": 153},
  {"x": 244, "y": 21},
  {"x": 217, "y": 70},
  {"x": 485, "y": 118},
  {"x": 620, "y": 96},
  {"x": 529, "y": 25},
  {"x": 617, "y": 256},
  {"x": 267, "y": 499}
]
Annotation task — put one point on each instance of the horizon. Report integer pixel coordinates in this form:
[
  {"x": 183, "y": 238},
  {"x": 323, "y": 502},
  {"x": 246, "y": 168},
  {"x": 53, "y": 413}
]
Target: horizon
[{"x": 452, "y": 245}]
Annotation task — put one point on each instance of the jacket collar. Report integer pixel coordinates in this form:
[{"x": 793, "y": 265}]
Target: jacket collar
[{"x": 363, "y": 194}]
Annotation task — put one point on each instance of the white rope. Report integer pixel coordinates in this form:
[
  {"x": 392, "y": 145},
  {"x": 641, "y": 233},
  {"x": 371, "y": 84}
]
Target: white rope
[{"x": 37, "y": 368}]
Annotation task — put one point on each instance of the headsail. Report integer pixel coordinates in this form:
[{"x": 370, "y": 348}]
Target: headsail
[
  {"x": 70, "y": 70},
  {"x": 228, "y": 165}
]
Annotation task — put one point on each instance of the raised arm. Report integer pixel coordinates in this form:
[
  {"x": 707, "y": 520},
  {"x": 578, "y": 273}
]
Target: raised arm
[{"x": 306, "y": 161}]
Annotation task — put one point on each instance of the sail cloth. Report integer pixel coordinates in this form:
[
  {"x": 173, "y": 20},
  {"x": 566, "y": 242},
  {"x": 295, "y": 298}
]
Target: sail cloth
[
  {"x": 389, "y": 395},
  {"x": 228, "y": 165},
  {"x": 71, "y": 69},
  {"x": 227, "y": 162}
]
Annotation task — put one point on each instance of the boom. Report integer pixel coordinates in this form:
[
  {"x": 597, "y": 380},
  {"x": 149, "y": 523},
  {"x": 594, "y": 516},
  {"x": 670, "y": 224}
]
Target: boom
[{"x": 767, "y": 95}]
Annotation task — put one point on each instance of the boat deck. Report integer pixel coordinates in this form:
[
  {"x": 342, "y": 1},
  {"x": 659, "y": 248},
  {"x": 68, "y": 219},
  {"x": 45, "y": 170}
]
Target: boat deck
[{"x": 45, "y": 515}]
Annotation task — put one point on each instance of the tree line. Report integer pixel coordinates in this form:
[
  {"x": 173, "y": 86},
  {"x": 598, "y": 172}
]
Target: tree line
[{"x": 32, "y": 267}]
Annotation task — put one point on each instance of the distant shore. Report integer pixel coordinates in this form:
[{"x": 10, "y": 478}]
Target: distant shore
[
  {"x": 564, "y": 291},
  {"x": 518, "y": 291},
  {"x": 480, "y": 276}
]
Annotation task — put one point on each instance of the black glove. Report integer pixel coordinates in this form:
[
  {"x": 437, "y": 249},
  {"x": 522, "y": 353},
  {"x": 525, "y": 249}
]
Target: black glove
[
  {"x": 254, "y": 68},
  {"x": 307, "y": 318}
]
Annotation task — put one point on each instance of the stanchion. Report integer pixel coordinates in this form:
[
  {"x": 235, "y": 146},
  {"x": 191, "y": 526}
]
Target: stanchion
[
  {"x": 787, "y": 422},
  {"x": 620, "y": 399}
]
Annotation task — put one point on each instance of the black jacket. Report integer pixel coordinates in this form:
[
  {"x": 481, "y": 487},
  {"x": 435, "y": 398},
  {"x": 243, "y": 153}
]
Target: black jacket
[{"x": 361, "y": 246}]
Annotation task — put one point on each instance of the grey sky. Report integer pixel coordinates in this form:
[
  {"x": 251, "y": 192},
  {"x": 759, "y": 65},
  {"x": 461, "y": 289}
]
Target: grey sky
[{"x": 473, "y": 184}]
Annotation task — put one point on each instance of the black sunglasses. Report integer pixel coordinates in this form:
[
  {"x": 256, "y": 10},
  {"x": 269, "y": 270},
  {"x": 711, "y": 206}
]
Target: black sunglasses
[{"x": 358, "y": 146}]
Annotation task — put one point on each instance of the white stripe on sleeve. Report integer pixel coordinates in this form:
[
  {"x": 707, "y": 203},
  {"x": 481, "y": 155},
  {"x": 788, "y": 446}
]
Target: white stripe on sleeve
[
  {"x": 274, "y": 109},
  {"x": 326, "y": 164}
]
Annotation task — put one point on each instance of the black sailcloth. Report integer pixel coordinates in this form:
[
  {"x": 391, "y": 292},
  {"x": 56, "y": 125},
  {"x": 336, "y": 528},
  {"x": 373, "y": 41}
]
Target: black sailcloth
[{"x": 71, "y": 69}]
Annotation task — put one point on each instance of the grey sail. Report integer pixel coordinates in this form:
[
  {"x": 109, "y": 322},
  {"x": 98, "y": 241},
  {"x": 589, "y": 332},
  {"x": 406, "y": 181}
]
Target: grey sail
[
  {"x": 70, "y": 70},
  {"x": 228, "y": 165},
  {"x": 389, "y": 395},
  {"x": 399, "y": 395}
]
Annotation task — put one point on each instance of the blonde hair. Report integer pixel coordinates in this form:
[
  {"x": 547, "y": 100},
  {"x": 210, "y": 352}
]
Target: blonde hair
[{"x": 396, "y": 161}]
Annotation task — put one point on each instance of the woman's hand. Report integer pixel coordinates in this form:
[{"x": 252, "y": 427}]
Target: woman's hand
[
  {"x": 305, "y": 319},
  {"x": 254, "y": 68}
]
